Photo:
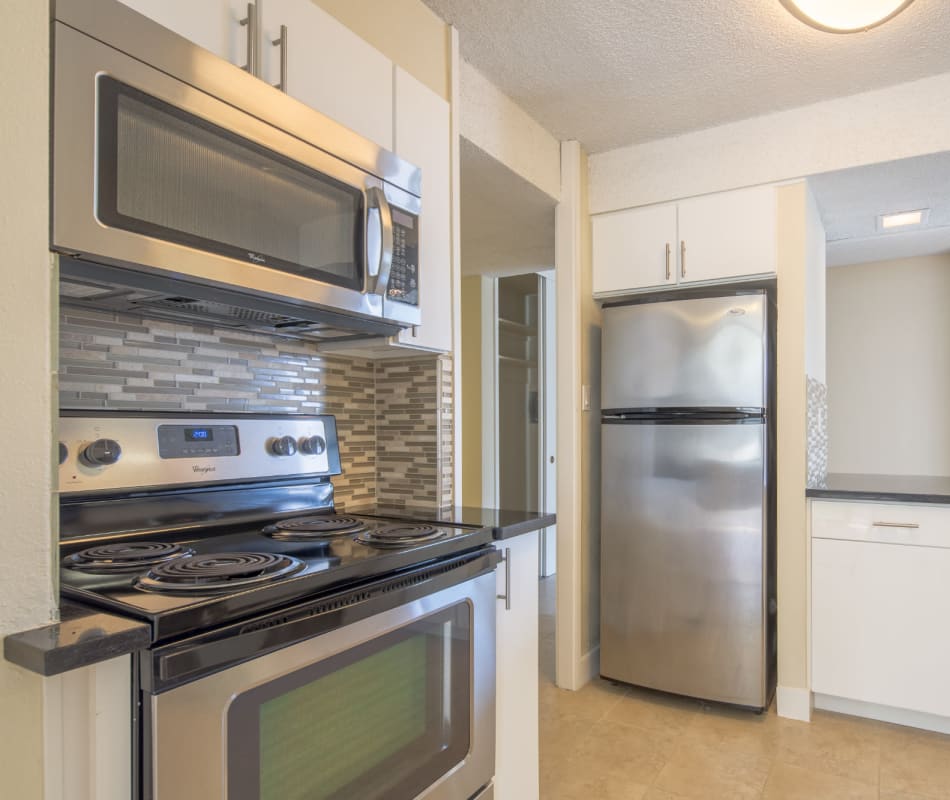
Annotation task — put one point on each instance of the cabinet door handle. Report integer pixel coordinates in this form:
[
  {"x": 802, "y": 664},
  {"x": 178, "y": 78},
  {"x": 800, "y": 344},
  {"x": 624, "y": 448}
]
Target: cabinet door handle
[
  {"x": 683, "y": 258},
  {"x": 668, "y": 260},
  {"x": 507, "y": 595},
  {"x": 281, "y": 42},
  {"x": 895, "y": 525},
  {"x": 251, "y": 23}
]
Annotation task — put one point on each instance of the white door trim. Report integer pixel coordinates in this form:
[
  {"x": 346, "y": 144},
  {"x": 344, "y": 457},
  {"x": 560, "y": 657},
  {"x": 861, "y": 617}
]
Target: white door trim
[
  {"x": 547, "y": 384},
  {"x": 489, "y": 351}
]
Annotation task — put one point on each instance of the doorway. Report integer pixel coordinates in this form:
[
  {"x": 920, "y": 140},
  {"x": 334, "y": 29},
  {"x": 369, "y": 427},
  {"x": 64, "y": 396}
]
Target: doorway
[{"x": 508, "y": 354}]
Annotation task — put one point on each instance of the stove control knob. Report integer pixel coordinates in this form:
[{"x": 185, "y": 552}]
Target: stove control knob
[
  {"x": 63, "y": 453},
  {"x": 313, "y": 445},
  {"x": 284, "y": 446},
  {"x": 101, "y": 453}
]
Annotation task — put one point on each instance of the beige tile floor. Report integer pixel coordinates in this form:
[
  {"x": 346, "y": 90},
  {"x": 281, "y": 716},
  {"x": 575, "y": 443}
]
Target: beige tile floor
[{"x": 610, "y": 742}]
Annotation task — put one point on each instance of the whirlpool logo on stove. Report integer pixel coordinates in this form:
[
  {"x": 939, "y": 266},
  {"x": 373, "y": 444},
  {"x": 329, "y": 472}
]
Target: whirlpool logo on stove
[{"x": 202, "y": 470}]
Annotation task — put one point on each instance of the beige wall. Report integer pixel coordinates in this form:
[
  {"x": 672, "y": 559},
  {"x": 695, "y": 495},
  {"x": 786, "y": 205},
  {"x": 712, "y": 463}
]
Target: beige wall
[
  {"x": 901, "y": 121},
  {"x": 792, "y": 537},
  {"x": 590, "y": 433},
  {"x": 497, "y": 125},
  {"x": 815, "y": 302},
  {"x": 472, "y": 390},
  {"x": 26, "y": 363},
  {"x": 889, "y": 367},
  {"x": 406, "y": 31}
]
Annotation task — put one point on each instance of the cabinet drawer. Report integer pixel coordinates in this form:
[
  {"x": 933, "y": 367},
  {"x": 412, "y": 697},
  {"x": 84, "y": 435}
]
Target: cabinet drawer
[{"x": 887, "y": 523}]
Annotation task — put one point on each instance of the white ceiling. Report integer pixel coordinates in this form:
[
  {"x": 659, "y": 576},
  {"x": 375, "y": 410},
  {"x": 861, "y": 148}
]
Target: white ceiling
[
  {"x": 617, "y": 72},
  {"x": 851, "y": 200},
  {"x": 507, "y": 223}
]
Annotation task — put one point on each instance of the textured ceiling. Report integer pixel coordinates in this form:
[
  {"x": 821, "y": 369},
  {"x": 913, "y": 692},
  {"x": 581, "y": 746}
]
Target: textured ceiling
[
  {"x": 507, "y": 223},
  {"x": 615, "y": 72},
  {"x": 851, "y": 200}
]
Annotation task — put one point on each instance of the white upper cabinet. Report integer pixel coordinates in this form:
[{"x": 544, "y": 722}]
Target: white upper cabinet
[
  {"x": 422, "y": 137},
  {"x": 634, "y": 248},
  {"x": 329, "y": 68},
  {"x": 213, "y": 24},
  {"x": 716, "y": 238},
  {"x": 728, "y": 235}
]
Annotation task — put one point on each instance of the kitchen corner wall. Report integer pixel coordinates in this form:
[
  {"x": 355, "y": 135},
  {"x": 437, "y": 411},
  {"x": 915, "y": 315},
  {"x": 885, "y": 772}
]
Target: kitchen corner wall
[{"x": 394, "y": 417}]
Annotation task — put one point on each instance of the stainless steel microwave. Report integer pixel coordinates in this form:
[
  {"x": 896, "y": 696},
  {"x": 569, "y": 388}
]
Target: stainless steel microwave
[{"x": 185, "y": 188}]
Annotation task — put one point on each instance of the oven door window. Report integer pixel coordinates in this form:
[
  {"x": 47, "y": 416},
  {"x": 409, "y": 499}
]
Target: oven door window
[
  {"x": 173, "y": 176},
  {"x": 385, "y": 719}
]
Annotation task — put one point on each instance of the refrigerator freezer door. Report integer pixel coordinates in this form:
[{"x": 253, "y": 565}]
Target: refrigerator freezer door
[
  {"x": 682, "y": 559},
  {"x": 704, "y": 353}
]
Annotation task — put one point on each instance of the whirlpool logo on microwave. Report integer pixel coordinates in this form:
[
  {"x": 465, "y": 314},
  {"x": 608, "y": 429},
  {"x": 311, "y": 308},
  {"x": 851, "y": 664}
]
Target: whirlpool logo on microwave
[
  {"x": 257, "y": 259},
  {"x": 203, "y": 470}
]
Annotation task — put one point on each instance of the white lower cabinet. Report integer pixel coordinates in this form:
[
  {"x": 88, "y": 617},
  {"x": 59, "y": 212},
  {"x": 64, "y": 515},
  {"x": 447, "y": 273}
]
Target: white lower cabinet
[
  {"x": 880, "y": 604},
  {"x": 516, "y": 702}
]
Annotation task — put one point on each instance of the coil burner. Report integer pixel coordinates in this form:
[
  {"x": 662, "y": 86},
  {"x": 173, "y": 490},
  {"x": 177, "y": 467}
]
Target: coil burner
[
  {"x": 216, "y": 571},
  {"x": 305, "y": 529},
  {"x": 400, "y": 535},
  {"x": 133, "y": 557}
]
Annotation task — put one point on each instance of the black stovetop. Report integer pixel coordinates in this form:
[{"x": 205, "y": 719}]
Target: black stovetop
[{"x": 327, "y": 563}]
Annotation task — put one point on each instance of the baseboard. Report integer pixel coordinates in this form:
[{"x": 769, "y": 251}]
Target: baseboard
[
  {"x": 590, "y": 665},
  {"x": 793, "y": 703},
  {"x": 587, "y": 668},
  {"x": 897, "y": 716}
]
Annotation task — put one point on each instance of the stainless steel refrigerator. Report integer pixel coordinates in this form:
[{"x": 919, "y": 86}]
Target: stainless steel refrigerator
[{"x": 687, "y": 513}]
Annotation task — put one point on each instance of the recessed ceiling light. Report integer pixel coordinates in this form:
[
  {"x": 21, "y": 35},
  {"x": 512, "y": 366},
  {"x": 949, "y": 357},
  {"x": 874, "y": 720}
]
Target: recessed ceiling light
[
  {"x": 845, "y": 16},
  {"x": 902, "y": 219}
]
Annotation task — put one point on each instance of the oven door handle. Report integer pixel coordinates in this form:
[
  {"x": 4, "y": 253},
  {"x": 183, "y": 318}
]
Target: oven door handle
[
  {"x": 168, "y": 666},
  {"x": 378, "y": 253}
]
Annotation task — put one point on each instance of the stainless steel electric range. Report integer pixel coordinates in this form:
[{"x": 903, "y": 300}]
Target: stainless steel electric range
[{"x": 296, "y": 652}]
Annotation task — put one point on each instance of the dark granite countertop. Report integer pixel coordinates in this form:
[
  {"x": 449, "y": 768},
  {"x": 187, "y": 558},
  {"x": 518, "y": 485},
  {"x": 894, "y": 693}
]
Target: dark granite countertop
[
  {"x": 83, "y": 636},
  {"x": 896, "y": 488},
  {"x": 504, "y": 524}
]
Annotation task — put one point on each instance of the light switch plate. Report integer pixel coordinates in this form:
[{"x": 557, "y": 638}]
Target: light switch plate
[{"x": 585, "y": 397}]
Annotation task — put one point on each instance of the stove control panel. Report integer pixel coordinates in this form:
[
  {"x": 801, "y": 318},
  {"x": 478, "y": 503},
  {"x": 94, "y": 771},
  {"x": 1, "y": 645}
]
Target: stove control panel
[
  {"x": 188, "y": 441},
  {"x": 118, "y": 451}
]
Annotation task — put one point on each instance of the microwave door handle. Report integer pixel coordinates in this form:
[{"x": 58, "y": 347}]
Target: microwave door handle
[{"x": 379, "y": 242}]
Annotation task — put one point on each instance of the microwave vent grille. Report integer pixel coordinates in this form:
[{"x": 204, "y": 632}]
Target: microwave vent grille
[
  {"x": 204, "y": 312},
  {"x": 106, "y": 288}
]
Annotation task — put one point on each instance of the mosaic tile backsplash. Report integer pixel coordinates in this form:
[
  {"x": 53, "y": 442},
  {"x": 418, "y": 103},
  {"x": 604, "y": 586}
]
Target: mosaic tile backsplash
[
  {"x": 390, "y": 414},
  {"x": 817, "y": 421}
]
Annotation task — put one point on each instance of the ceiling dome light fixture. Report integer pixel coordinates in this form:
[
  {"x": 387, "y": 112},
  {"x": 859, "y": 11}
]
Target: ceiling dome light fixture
[{"x": 845, "y": 16}]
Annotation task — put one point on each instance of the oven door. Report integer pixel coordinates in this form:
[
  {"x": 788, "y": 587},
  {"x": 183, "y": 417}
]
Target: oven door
[
  {"x": 152, "y": 174},
  {"x": 395, "y": 706}
]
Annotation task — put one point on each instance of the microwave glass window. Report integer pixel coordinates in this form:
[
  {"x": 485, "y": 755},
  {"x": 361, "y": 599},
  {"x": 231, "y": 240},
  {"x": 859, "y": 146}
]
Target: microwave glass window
[
  {"x": 379, "y": 722},
  {"x": 171, "y": 175}
]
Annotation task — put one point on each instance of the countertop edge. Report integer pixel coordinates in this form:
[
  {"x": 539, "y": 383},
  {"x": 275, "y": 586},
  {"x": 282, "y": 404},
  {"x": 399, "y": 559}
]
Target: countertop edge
[
  {"x": 519, "y": 528},
  {"x": 891, "y": 497},
  {"x": 85, "y": 636}
]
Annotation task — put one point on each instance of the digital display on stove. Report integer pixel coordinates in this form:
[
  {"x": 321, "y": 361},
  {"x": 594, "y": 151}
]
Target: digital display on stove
[{"x": 189, "y": 441}]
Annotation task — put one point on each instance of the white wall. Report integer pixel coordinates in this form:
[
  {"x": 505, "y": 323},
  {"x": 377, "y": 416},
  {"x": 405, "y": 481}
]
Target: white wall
[
  {"x": 889, "y": 367},
  {"x": 496, "y": 124},
  {"x": 26, "y": 364},
  {"x": 900, "y": 121}
]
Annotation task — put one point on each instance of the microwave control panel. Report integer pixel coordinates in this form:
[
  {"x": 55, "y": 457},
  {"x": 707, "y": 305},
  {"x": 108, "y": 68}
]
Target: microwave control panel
[{"x": 404, "y": 274}]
